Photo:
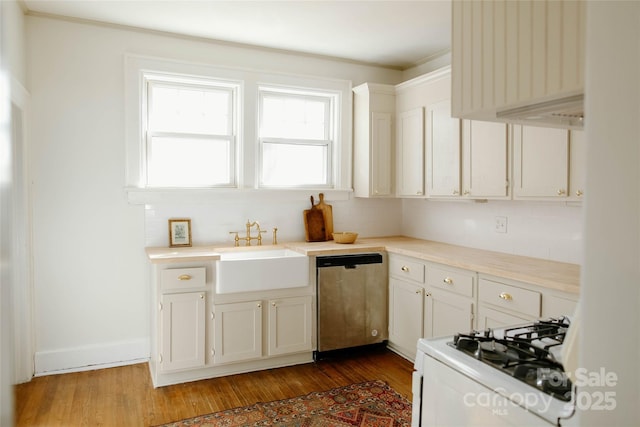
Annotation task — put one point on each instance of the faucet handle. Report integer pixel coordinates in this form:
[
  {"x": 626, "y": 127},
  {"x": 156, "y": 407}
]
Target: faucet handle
[
  {"x": 236, "y": 238},
  {"x": 275, "y": 236}
]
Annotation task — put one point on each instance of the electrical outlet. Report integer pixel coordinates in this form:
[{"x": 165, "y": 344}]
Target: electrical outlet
[{"x": 501, "y": 224}]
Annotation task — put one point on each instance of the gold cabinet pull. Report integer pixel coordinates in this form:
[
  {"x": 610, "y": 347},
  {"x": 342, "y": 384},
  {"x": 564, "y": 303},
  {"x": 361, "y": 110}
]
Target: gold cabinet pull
[
  {"x": 404, "y": 268},
  {"x": 418, "y": 291},
  {"x": 561, "y": 192},
  {"x": 465, "y": 193},
  {"x": 579, "y": 193},
  {"x": 505, "y": 296},
  {"x": 184, "y": 277},
  {"x": 448, "y": 280}
]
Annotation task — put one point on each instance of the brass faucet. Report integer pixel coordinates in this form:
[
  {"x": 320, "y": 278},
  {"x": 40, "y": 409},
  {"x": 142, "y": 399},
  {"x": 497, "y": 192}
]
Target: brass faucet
[{"x": 249, "y": 238}]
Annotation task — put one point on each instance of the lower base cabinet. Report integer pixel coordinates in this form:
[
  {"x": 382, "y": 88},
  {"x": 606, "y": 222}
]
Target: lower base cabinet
[
  {"x": 289, "y": 325},
  {"x": 446, "y": 314},
  {"x": 406, "y": 305},
  {"x": 237, "y": 331},
  {"x": 239, "y": 334},
  {"x": 182, "y": 331}
]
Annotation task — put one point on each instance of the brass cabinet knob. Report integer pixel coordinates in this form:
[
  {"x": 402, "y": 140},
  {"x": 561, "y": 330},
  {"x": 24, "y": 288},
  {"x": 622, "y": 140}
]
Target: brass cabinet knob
[
  {"x": 579, "y": 193},
  {"x": 448, "y": 280},
  {"x": 465, "y": 193},
  {"x": 418, "y": 291},
  {"x": 561, "y": 192},
  {"x": 404, "y": 268},
  {"x": 505, "y": 296},
  {"x": 456, "y": 192}
]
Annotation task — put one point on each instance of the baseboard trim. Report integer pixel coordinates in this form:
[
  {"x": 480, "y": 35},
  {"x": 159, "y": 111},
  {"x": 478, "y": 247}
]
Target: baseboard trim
[{"x": 91, "y": 357}]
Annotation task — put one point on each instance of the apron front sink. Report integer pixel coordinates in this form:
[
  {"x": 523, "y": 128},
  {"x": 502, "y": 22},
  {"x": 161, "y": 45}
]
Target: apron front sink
[{"x": 259, "y": 270}]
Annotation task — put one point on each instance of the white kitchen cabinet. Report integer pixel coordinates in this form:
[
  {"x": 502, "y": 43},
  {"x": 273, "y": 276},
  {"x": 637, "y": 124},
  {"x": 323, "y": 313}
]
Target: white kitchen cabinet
[
  {"x": 289, "y": 325},
  {"x": 373, "y": 157},
  {"x": 405, "y": 316},
  {"x": 503, "y": 302},
  {"x": 540, "y": 163},
  {"x": 485, "y": 160},
  {"x": 469, "y": 160},
  {"x": 449, "y": 301},
  {"x": 577, "y": 164},
  {"x": 446, "y": 314},
  {"x": 443, "y": 151},
  {"x": 182, "y": 331},
  {"x": 490, "y": 318},
  {"x": 515, "y": 53},
  {"x": 237, "y": 331},
  {"x": 410, "y": 153}
]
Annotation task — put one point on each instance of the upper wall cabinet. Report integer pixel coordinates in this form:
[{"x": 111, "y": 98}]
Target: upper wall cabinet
[
  {"x": 410, "y": 153},
  {"x": 373, "y": 112},
  {"x": 510, "y": 58},
  {"x": 413, "y": 98},
  {"x": 540, "y": 162},
  {"x": 469, "y": 160}
]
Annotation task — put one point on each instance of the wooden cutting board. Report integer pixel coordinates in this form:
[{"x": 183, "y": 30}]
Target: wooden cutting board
[
  {"x": 327, "y": 214},
  {"x": 314, "y": 229}
]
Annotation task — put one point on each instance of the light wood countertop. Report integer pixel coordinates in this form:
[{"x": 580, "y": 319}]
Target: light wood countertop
[{"x": 549, "y": 274}]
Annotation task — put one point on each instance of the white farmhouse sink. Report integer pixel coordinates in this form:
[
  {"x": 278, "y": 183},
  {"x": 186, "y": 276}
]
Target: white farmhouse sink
[{"x": 247, "y": 271}]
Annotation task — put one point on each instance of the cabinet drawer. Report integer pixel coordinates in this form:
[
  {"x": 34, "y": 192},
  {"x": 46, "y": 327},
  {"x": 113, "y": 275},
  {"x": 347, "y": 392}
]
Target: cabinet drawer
[
  {"x": 510, "y": 297},
  {"x": 182, "y": 278},
  {"x": 453, "y": 281},
  {"x": 406, "y": 268}
]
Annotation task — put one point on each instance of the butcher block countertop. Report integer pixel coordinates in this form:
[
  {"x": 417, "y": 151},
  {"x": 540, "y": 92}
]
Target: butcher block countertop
[{"x": 549, "y": 274}]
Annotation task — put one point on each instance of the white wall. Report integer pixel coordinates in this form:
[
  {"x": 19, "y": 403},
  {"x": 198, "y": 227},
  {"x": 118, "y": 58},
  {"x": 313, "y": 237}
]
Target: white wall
[
  {"x": 90, "y": 270},
  {"x": 548, "y": 230},
  {"x": 610, "y": 295},
  {"x": 12, "y": 78}
]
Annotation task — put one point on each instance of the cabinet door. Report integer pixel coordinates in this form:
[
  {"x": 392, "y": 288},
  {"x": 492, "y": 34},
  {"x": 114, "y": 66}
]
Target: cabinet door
[
  {"x": 238, "y": 331},
  {"x": 289, "y": 325},
  {"x": 410, "y": 141},
  {"x": 405, "y": 316},
  {"x": 443, "y": 151},
  {"x": 446, "y": 314},
  {"x": 577, "y": 164},
  {"x": 485, "y": 172},
  {"x": 541, "y": 162},
  {"x": 182, "y": 331},
  {"x": 381, "y": 146},
  {"x": 490, "y": 318}
]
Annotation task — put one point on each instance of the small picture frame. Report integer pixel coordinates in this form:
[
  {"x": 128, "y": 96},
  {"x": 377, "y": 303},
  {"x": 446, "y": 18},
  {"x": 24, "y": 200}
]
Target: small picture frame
[{"x": 179, "y": 232}]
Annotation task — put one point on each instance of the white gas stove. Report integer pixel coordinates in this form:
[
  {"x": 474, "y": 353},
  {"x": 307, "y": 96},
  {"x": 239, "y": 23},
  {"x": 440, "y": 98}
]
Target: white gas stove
[{"x": 502, "y": 377}]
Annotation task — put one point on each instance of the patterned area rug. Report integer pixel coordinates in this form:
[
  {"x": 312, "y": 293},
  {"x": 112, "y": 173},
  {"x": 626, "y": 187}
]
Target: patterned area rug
[{"x": 370, "y": 404}]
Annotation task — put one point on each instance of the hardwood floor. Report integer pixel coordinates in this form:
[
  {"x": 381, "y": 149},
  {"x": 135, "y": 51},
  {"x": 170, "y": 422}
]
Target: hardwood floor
[{"x": 124, "y": 396}]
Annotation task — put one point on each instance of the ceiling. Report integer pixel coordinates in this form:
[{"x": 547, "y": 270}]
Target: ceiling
[{"x": 395, "y": 34}]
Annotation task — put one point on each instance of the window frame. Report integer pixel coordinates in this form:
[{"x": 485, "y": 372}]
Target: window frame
[
  {"x": 247, "y": 147},
  {"x": 155, "y": 79},
  {"x": 331, "y": 136}
]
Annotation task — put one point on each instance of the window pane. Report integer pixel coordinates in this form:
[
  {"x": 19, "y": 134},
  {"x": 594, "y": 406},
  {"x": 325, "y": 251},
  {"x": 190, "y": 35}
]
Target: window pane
[
  {"x": 184, "y": 162},
  {"x": 293, "y": 117},
  {"x": 293, "y": 165},
  {"x": 196, "y": 110}
]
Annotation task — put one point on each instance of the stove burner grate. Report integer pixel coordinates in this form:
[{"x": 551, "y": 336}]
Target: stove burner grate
[{"x": 524, "y": 352}]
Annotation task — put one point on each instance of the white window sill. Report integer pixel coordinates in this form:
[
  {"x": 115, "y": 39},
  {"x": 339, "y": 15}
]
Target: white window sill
[{"x": 155, "y": 196}]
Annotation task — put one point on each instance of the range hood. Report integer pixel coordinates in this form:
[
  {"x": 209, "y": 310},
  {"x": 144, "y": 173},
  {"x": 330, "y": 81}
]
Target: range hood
[{"x": 567, "y": 112}]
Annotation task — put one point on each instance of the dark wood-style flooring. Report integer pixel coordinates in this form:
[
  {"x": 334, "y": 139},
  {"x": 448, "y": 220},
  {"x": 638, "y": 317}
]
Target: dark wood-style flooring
[{"x": 124, "y": 396}]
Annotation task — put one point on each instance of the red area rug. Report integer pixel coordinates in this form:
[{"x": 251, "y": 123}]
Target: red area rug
[{"x": 370, "y": 404}]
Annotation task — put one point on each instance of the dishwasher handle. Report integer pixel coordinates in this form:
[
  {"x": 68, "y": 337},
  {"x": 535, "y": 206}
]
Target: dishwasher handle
[{"x": 348, "y": 261}]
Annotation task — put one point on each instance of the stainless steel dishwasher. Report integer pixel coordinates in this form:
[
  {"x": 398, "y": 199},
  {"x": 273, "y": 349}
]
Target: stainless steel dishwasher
[{"x": 352, "y": 301}]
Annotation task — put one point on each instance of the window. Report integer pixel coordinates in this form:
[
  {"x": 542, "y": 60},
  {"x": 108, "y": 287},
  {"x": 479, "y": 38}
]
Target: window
[
  {"x": 190, "y": 132},
  {"x": 297, "y": 137},
  {"x": 187, "y": 126}
]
